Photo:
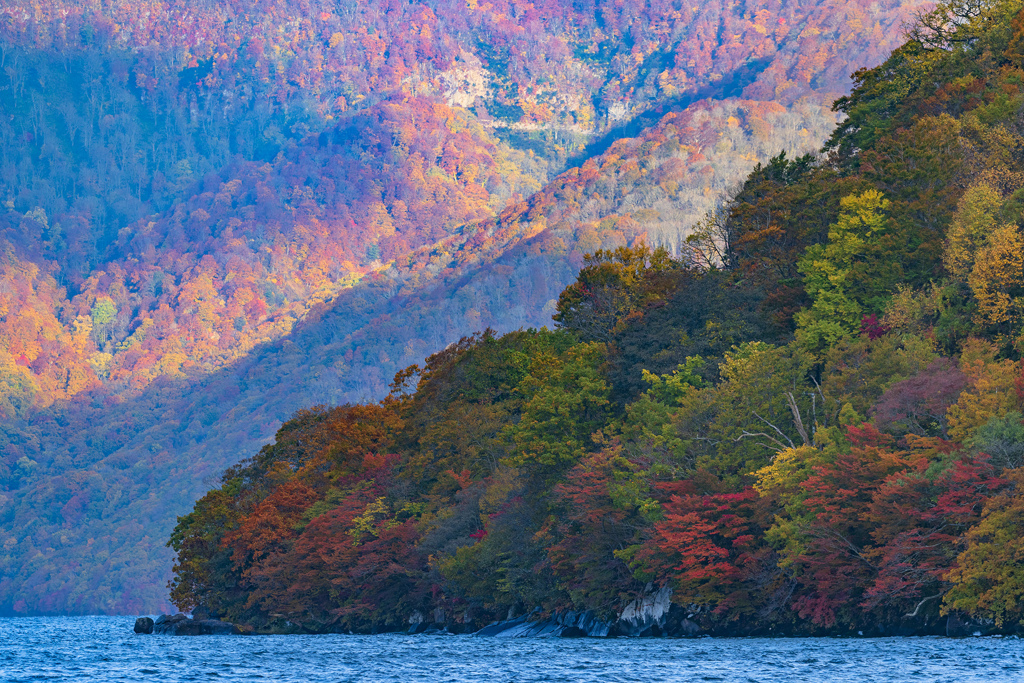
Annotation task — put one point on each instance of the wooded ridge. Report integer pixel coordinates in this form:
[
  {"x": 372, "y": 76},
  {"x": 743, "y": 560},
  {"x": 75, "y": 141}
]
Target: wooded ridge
[{"x": 807, "y": 420}]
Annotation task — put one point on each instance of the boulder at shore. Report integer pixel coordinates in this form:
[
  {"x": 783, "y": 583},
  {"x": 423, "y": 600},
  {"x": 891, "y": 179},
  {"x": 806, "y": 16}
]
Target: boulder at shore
[{"x": 180, "y": 625}]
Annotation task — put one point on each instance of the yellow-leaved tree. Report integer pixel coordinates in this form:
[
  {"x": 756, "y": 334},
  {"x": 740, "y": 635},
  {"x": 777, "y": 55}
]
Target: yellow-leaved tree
[
  {"x": 974, "y": 221},
  {"x": 997, "y": 279},
  {"x": 986, "y": 252}
]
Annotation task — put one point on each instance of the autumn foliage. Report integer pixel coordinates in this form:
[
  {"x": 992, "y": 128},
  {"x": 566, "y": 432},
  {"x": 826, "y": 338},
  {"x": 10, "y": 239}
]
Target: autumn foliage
[
  {"x": 785, "y": 385},
  {"x": 806, "y": 420}
]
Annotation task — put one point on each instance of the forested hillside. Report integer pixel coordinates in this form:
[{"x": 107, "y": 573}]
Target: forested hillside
[
  {"x": 807, "y": 421},
  {"x": 215, "y": 215},
  {"x": 181, "y": 184}
]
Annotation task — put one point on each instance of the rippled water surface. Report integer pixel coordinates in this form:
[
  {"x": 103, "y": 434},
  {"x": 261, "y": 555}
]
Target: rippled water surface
[{"x": 105, "y": 649}]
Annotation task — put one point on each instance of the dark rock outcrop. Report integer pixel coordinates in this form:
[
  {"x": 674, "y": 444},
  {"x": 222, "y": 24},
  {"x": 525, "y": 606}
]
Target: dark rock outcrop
[
  {"x": 563, "y": 625},
  {"x": 173, "y": 624},
  {"x": 144, "y": 625},
  {"x": 583, "y": 624},
  {"x": 647, "y": 615},
  {"x": 650, "y": 614},
  {"x": 653, "y": 614},
  {"x": 441, "y": 624},
  {"x": 216, "y": 627},
  {"x": 960, "y": 626},
  {"x": 180, "y": 625}
]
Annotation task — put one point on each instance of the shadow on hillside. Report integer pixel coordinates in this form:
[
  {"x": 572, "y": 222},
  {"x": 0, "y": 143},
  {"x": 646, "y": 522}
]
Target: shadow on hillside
[
  {"x": 724, "y": 89},
  {"x": 112, "y": 477}
]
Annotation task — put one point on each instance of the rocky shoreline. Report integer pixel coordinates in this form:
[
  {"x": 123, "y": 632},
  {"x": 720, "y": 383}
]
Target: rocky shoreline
[
  {"x": 650, "y": 615},
  {"x": 181, "y": 625},
  {"x": 654, "y": 615}
]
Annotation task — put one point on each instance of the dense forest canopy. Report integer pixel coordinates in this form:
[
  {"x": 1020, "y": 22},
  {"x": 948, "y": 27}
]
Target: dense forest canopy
[
  {"x": 214, "y": 214},
  {"x": 182, "y": 183},
  {"x": 807, "y": 420}
]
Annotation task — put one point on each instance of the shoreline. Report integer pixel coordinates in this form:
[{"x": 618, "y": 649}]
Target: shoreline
[{"x": 584, "y": 625}]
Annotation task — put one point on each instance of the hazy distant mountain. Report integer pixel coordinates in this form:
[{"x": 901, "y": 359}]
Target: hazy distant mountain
[{"x": 216, "y": 214}]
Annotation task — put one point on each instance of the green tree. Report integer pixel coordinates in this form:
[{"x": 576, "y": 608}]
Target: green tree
[
  {"x": 610, "y": 285},
  {"x": 829, "y": 272},
  {"x": 764, "y": 403},
  {"x": 565, "y": 401}
]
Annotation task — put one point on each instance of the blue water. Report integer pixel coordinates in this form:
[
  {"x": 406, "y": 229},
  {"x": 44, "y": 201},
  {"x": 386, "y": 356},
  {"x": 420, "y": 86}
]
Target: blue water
[{"x": 105, "y": 649}]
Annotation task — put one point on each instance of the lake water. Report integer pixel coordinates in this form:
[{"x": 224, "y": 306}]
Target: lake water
[{"x": 105, "y": 649}]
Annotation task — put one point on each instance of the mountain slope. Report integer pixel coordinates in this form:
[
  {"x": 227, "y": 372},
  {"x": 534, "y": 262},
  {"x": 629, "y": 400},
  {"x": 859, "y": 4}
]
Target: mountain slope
[
  {"x": 283, "y": 208},
  {"x": 810, "y": 423}
]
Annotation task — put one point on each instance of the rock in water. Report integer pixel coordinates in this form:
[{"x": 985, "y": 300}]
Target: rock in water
[
  {"x": 180, "y": 625},
  {"x": 143, "y": 625},
  {"x": 960, "y": 626},
  {"x": 562, "y": 625},
  {"x": 169, "y": 624},
  {"x": 216, "y": 627}
]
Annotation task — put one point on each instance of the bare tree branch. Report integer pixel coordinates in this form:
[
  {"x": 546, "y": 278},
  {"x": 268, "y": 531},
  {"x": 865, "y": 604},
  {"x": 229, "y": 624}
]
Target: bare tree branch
[
  {"x": 921, "y": 604},
  {"x": 824, "y": 404},
  {"x": 746, "y": 434},
  {"x": 948, "y": 25},
  {"x": 797, "y": 420},
  {"x": 777, "y": 430}
]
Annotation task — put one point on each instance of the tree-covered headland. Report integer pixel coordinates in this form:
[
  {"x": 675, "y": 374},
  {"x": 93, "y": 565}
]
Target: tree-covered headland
[{"x": 808, "y": 420}]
